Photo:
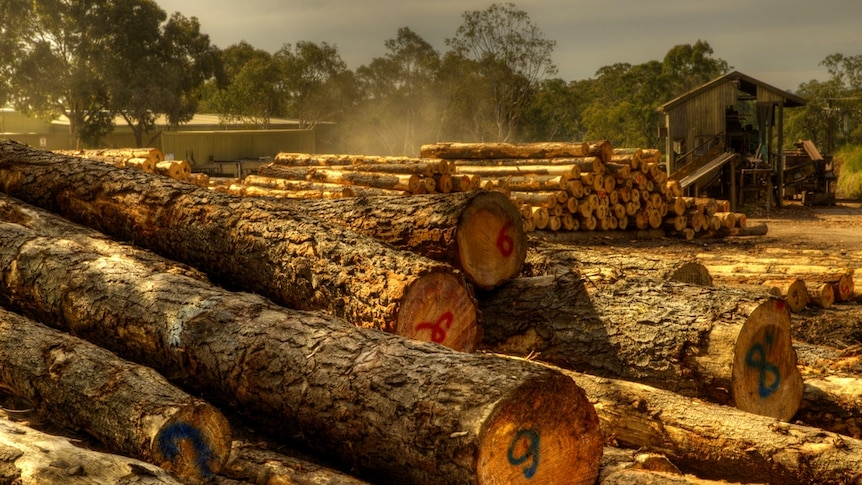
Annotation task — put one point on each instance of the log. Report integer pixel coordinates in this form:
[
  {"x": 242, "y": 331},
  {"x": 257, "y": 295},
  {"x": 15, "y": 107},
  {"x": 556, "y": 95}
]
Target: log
[
  {"x": 353, "y": 393},
  {"x": 716, "y": 343},
  {"x": 478, "y": 232},
  {"x": 629, "y": 467},
  {"x": 503, "y": 150},
  {"x": 547, "y": 258},
  {"x": 793, "y": 290},
  {"x": 369, "y": 162},
  {"x": 172, "y": 169},
  {"x": 256, "y": 463},
  {"x": 822, "y": 295},
  {"x": 490, "y": 171},
  {"x": 535, "y": 182},
  {"x": 343, "y": 175},
  {"x": 253, "y": 244},
  {"x": 128, "y": 407},
  {"x": 719, "y": 442},
  {"x": 28, "y": 456},
  {"x": 240, "y": 190}
]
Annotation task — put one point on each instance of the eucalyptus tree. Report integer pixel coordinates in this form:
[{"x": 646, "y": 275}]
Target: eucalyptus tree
[
  {"x": 315, "y": 78},
  {"x": 55, "y": 73},
  {"x": 399, "y": 109},
  {"x": 512, "y": 56}
]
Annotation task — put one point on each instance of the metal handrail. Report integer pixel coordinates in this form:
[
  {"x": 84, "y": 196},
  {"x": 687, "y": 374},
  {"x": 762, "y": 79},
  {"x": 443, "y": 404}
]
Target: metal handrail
[{"x": 713, "y": 139}]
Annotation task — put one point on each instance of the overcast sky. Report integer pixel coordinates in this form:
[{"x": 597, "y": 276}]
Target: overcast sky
[{"x": 779, "y": 42}]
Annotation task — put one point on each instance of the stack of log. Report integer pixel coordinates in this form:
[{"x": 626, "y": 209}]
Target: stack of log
[
  {"x": 556, "y": 186},
  {"x": 589, "y": 186},
  {"x": 150, "y": 160},
  {"x": 269, "y": 310}
]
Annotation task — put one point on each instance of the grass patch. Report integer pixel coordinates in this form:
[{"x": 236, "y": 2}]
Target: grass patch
[{"x": 847, "y": 165}]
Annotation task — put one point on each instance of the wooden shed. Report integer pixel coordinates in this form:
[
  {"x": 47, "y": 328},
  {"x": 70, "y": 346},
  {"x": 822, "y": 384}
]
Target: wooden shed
[{"x": 724, "y": 138}]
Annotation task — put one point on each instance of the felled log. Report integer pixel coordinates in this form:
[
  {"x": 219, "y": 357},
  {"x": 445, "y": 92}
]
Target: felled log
[
  {"x": 631, "y": 467},
  {"x": 478, "y": 232},
  {"x": 547, "y": 258},
  {"x": 128, "y": 407},
  {"x": 719, "y": 442},
  {"x": 28, "y": 456},
  {"x": 716, "y": 343},
  {"x": 833, "y": 402},
  {"x": 241, "y": 190},
  {"x": 349, "y": 392},
  {"x": 793, "y": 290},
  {"x": 255, "y": 463},
  {"x": 490, "y": 171},
  {"x": 822, "y": 295},
  {"x": 503, "y": 150},
  {"x": 342, "y": 160},
  {"x": 343, "y": 175},
  {"x": 253, "y": 244}
]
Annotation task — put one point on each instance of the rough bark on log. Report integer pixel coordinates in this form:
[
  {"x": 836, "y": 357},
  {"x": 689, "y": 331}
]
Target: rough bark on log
[
  {"x": 503, "y": 150},
  {"x": 30, "y": 457},
  {"x": 720, "y": 442},
  {"x": 128, "y": 407},
  {"x": 418, "y": 412},
  {"x": 253, "y": 244},
  {"x": 343, "y": 175},
  {"x": 629, "y": 467},
  {"x": 478, "y": 232},
  {"x": 545, "y": 258},
  {"x": 255, "y": 191},
  {"x": 335, "y": 160},
  {"x": 716, "y": 343},
  {"x": 255, "y": 464}
]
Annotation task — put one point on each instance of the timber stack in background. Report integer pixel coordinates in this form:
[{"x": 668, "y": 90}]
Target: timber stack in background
[
  {"x": 704, "y": 375},
  {"x": 558, "y": 187}
]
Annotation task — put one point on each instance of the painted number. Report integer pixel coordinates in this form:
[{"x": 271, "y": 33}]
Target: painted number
[
  {"x": 505, "y": 243},
  {"x": 770, "y": 375},
  {"x": 438, "y": 332},
  {"x": 527, "y": 453},
  {"x": 169, "y": 444}
]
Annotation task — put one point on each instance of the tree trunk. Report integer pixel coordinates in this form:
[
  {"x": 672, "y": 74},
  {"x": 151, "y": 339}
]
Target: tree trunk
[
  {"x": 254, "y": 464},
  {"x": 725, "y": 345},
  {"x": 793, "y": 290},
  {"x": 253, "y": 244},
  {"x": 240, "y": 190},
  {"x": 567, "y": 170},
  {"x": 546, "y": 258},
  {"x": 30, "y": 457},
  {"x": 417, "y": 412},
  {"x": 130, "y": 408},
  {"x": 503, "y": 150},
  {"x": 478, "y": 232},
  {"x": 304, "y": 185},
  {"x": 719, "y": 442},
  {"x": 344, "y": 175},
  {"x": 306, "y": 159}
]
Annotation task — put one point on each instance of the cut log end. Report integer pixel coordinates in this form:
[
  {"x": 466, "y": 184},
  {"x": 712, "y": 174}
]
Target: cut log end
[
  {"x": 765, "y": 379},
  {"x": 549, "y": 434},
  {"x": 492, "y": 244},
  {"x": 440, "y": 308},
  {"x": 194, "y": 444}
]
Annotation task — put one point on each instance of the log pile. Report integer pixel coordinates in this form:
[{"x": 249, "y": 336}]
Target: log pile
[
  {"x": 588, "y": 187},
  {"x": 149, "y": 160},
  {"x": 273, "y": 310}
]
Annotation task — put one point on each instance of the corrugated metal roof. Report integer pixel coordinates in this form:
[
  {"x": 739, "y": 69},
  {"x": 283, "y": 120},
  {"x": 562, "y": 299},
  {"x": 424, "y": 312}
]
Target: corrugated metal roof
[{"x": 791, "y": 100}]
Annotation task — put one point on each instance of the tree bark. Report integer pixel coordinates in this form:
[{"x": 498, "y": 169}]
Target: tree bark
[
  {"x": 259, "y": 465},
  {"x": 417, "y": 412},
  {"x": 253, "y": 244},
  {"x": 30, "y": 457},
  {"x": 478, "y": 232},
  {"x": 490, "y": 171},
  {"x": 546, "y": 258},
  {"x": 306, "y": 159},
  {"x": 719, "y": 442},
  {"x": 503, "y": 150},
  {"x": 716, "y": 343},
  {"x": 130, "y": 408},
  {"x": 343, "y": 175},
  {"x": 241, "y": 190}
]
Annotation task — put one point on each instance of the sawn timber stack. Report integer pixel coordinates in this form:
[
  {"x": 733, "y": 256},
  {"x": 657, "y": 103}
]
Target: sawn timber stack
[
  {"x": 415, "y": 411},
  {"x": 254, "y": 245}
]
